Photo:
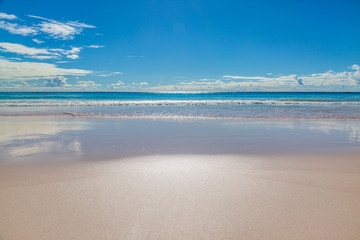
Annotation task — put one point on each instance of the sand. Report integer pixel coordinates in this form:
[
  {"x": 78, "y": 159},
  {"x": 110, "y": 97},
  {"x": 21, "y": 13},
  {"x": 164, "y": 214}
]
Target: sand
[
  {"x": 184, "y": 197},
  {"x": 99, "y": 179}
]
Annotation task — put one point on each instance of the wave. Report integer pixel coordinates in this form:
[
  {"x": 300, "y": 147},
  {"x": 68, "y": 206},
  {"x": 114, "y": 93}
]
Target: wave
[{"x": 66, "y": 103}]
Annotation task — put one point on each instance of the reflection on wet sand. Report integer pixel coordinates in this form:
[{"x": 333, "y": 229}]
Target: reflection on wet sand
[
  {"x": 68, "y": 139},
  {"x": 35, "y": 128},
  {"x": 35, "y": 139},
  {"x": 350, "y": 128}
]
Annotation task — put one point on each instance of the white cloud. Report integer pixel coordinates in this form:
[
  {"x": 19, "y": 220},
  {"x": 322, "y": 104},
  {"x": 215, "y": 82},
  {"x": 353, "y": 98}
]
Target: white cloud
[
  {"x": 14, "y": 28},
  {"x": 42, "y": 57},
  {"x": 38, "y": 41},
  {"x": 355, "y": 67},
  {"x": 242, "y": 77},
  {"x": 140, "y": 84},
  {"x": 19, "y": 59},
  {"x": 109, "y": 74},
  {"x": 86, "y": 84},
  {"x": 19, "y": 71},
  {"x": 95, "y": 46},
  {"x": 329, "y": 81},
  {"x": 52, "y": 28},
  {"x": 204, "y": 82},
  {"x": 40, "y": 53},
  {"x": 117, "y": 85},
  {"x": 356, "y": 75},
  {"x": 55, "y": 82},
  {"x": 207, "y": 79},
  {"x": 73, "y": 53},
  {"x": 60, "y": 30},
  {"x": 21, "y": 49},
  {"x": 7, "y": 16}
]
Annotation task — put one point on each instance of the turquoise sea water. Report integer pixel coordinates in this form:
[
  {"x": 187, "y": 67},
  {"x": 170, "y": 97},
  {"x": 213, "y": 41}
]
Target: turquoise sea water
[{"x": 277, "y": 105}]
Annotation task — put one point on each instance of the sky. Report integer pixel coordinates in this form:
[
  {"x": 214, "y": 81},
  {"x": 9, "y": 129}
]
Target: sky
[{"x": 179, "y": 45}]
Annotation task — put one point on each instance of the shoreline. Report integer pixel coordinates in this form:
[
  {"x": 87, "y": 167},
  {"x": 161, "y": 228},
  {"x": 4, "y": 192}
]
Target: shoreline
[{"x": 74, "y": 115}]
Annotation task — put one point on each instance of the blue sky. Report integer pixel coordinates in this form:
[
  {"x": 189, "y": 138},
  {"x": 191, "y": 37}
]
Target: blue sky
[{"x": 183, "y": 45}]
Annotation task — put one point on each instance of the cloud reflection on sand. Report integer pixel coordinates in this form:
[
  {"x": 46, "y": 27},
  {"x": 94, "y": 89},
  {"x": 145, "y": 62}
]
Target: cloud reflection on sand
[
  {"x": 45, "y": 138},
  {"x": 35, "y": 128},
  {"x": 351, "y": 128},
  {"x": 348, "y": 127}
]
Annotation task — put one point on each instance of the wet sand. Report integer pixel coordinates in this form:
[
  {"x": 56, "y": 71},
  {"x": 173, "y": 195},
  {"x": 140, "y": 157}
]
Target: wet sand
[{"x": 308, "y": 195}]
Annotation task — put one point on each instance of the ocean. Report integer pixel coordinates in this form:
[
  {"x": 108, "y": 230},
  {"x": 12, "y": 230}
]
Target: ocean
[{"x": 229, "y": 105}]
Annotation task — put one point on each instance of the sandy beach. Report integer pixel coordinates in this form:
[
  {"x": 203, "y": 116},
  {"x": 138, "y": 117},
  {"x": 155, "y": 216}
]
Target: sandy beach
[
  {"x": 307, "y": 192},
  {"x": 179, "y": 120}
]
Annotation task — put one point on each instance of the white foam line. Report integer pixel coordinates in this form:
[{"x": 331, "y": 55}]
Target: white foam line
[{"x": 64, "y": 103}]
